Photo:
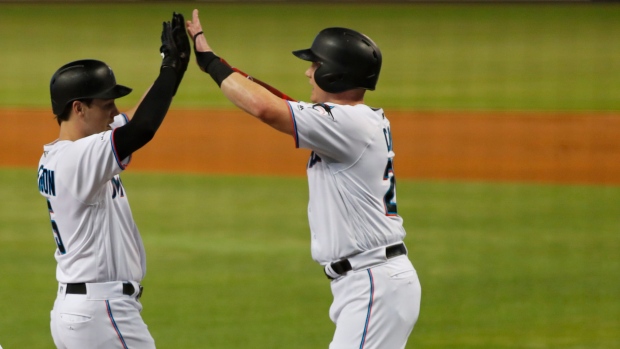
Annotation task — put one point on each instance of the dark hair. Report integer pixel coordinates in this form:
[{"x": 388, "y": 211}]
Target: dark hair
[{"x": 64, "y": 116}]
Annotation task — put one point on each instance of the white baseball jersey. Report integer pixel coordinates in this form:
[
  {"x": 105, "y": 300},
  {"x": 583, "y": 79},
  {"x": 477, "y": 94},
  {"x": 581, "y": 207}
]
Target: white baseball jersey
[
  {"x": 96, "y": 236},
  {"x": 352, "y": 206}
]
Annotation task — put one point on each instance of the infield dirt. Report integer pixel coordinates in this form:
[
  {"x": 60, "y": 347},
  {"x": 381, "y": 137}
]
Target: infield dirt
[{"x": 581, "y": 148}]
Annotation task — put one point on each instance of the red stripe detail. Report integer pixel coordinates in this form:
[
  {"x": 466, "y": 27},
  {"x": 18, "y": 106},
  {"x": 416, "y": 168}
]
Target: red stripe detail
[
  {"x": 295, "y": 136},
  {"x": 118, "y": 333},
  {"x": 116, "y": 157}
]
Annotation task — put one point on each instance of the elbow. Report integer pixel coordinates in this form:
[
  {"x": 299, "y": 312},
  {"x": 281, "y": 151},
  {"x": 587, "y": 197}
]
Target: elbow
[
  {"x": 147, "y": 134},
  {"x": 265, "y": 113},
  {"x": 265, "y": 116},
  {"x": 275, "y": 114}
]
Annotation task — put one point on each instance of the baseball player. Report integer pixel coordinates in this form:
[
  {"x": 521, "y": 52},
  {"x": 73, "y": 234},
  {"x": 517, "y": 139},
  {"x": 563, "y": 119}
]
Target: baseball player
[
  {"x": 100, "y": 254},
  {"x": 356, "y": 233}
]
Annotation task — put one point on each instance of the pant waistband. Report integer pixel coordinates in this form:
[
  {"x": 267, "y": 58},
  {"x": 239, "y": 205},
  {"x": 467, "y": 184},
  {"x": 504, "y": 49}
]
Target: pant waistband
[
  {"x": 363, "y": 260},
  {"x": 103, "y": 290}
]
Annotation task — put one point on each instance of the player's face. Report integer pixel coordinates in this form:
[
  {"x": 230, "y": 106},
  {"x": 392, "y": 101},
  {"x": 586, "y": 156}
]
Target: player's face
[
  {"x": 317, "y": 93},
  {"x": 99, "y": 115}
]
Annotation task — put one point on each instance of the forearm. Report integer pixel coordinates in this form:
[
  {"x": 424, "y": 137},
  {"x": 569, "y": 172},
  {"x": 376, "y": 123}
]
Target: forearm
[
  {"x": 246, "y": 95},
  {"x": 251, "y": 97},
  {"x": 148, "y": 116},
  {"x": 258, "y": 102}
]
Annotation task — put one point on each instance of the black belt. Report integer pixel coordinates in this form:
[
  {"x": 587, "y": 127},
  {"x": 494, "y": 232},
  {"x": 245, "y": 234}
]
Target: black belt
[
  {"x": 80, "y": 288},
  {"x": 343, "y": 266}
]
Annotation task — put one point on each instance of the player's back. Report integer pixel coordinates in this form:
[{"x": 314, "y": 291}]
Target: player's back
[
  {"x": 97, "y": 239},
  {"x": 352, "y": 204}
]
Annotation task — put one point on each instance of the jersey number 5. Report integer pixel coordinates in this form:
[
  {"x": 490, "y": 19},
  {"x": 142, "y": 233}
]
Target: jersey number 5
[
  {"x": 389, "y": 199},
  {"x": 57, "y": 238}
]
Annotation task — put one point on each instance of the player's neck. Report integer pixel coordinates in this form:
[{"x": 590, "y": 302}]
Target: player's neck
[
  {"x": 345, "y": 101},
  {"x": 350, "y": 97},
  {"x": 69, "y": 132}
]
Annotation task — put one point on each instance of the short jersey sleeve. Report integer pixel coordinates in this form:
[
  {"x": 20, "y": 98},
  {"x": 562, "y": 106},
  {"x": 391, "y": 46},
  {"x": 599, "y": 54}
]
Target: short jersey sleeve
[
  {"x": 338, "y": 132},
  {"x": 119, "y": 120}
]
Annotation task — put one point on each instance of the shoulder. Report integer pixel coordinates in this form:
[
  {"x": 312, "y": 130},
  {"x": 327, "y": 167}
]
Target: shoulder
[
  {"x": 55, "y": 147},
  {"x": 120, "y": 120},
  {"x": 97, "y": 137},
  {"x": 333, "y": 110},
  {"x": 316, "y": 108}
]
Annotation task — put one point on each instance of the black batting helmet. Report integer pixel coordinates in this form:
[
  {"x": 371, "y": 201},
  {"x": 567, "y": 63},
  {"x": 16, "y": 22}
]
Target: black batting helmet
[
  {"x": 348, "y": 59},
  {"x": 83, "y": 79}
]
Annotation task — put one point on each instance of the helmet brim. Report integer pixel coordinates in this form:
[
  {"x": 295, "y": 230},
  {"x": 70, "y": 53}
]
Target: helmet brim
[
  {"x": 306, "y": 55},
  {"x": 117, "y": 91}
]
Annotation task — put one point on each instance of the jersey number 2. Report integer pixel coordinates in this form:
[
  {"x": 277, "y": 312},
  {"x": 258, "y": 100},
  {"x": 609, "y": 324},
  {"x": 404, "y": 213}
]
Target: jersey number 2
[{"x": 389, "y": 199}]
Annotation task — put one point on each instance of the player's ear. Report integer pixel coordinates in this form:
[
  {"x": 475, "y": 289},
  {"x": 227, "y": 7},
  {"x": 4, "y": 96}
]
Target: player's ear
[{"x": 78, "y": 107}]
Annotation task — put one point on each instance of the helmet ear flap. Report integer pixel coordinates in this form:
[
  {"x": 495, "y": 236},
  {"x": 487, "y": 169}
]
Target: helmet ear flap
[{"x": 331, "y": 80}]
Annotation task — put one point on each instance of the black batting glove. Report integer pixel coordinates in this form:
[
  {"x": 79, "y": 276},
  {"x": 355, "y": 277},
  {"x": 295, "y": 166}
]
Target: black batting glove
[
  {"x": 179, "y": 35},
  {"x": 169, "y": 52}
]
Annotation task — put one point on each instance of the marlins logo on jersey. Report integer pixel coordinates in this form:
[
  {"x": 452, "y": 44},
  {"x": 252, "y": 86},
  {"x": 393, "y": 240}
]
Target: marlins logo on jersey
[{"x": 324, "y": 109}]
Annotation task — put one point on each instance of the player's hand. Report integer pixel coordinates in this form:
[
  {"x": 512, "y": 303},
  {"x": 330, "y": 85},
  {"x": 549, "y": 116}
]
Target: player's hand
[
  {"x": 181, "y": 41},
  {"x": 168, "y": 49},
  {"x": 180, "y": 38},
  {"x": 194, "y": 28}
]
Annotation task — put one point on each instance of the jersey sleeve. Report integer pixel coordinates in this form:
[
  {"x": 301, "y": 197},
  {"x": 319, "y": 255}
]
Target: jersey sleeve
[
  {"x": 92, "y": 161},
  {"x": 334, "y": 131},
  {"x": 119, "y": 120}
]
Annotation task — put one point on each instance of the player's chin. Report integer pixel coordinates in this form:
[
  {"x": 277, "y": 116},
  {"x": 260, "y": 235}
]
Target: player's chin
[{"x": 313, "y": 97}]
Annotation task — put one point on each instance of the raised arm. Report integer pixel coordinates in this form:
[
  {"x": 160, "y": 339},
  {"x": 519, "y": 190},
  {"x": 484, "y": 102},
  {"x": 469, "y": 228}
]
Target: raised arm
[
  {"x": 154, "y": 105},
  {"x": 183, "y": 47},
  {"x": 131, "y": 112},
  {"x": 247, "y": 95}
]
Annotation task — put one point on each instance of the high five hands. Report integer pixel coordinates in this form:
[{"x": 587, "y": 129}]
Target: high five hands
[{"x": 194, "y": 28}]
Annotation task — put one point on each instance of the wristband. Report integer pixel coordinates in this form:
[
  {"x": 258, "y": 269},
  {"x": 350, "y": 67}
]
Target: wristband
[
  {"x": 196, "y": 35},
  {"x": 204, "y": 59},
  {"x": 213, "y": 65}
]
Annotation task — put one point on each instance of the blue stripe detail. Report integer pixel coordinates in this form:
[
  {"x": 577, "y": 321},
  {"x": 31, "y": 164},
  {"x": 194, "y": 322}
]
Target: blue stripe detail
[
  {"x": 118, "y": 332},
  {"x": 368, "y": 313},
  {"x": 118, "y": 161},
  {"x": 296, "y": 136}
]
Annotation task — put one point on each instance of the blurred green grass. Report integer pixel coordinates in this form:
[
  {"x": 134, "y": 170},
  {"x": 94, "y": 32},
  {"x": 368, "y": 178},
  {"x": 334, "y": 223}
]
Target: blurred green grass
[
  {"x": 436, "y": 57},
  {"x": 502, "y": 265}
]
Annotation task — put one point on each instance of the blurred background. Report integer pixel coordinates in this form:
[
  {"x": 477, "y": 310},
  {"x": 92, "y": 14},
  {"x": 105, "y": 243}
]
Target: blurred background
[{"x": 505, "y": 117}]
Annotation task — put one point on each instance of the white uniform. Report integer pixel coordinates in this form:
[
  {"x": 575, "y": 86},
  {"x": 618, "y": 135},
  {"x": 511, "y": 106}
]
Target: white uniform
[
  {"x": 352, "y": 214},
  {"x": 98, "y": 244}
]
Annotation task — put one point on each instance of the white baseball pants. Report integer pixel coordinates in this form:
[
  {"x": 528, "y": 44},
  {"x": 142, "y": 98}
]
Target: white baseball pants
[
  {"x": 376, "y": 307},
  {"x": 102, "y": 318}
]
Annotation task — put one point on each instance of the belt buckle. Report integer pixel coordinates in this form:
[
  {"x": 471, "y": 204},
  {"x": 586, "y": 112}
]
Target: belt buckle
[{"x": 140, "y": 292}]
